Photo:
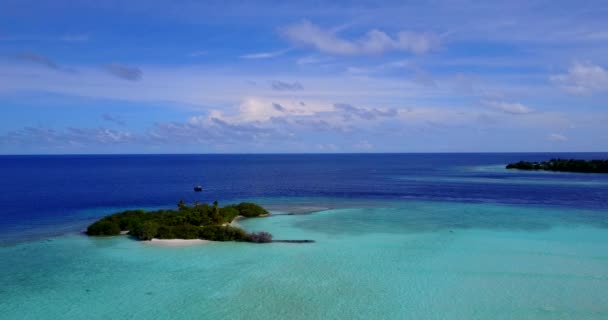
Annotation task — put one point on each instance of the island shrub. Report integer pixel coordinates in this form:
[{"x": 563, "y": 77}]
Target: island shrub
[
  {"x": 223, "y": 233},
  {"x": 165, "y": 232},
  {"x": 186, "y": 231},
  {"x": 146, "y": 231},
  {"x": 187, "y": 222},
  {"x": 260, "y": 237},
  {"x": 228, "y": 213},
  {"x": 104, "y": 228},
  {"x": 248, "y": 209},
  {"x": 128, "y": 220}
]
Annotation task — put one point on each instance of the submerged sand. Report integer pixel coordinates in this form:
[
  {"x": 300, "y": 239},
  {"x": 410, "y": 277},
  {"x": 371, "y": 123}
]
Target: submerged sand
[{"x": 177, "y": 242}]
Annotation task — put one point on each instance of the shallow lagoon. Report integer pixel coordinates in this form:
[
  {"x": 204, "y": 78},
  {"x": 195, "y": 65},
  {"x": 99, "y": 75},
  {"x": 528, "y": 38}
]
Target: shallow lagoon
[{"x": 402, "y": 260}]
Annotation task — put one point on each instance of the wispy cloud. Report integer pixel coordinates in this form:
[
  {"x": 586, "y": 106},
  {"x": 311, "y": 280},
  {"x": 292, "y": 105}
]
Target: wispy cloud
[
  {"x": 557, "y": 137},
  {"x": 264, "y": 55},
  {"x": 124, "y": 72},
  {"x": 374, "y": 41},
  {"x": 209, "y": 130},
  {"x": 280, "y": 124},
  {"x": 582, "y": 78},
  {"x": 38, "y": 59},
  {"x": 348, "y": 111},
  {"x": 49, "y": 137},
  {"x": 278, "y": 107},
  {"x": 312, "y": 59},
  {"x": 508, "y": 107},
  {"x": 288, "y": 115},
  {"x": 388, "y": 66},
  {"x": 286, "y": 86}
]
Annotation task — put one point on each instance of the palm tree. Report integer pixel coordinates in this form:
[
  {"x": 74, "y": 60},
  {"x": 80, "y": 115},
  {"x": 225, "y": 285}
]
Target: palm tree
[{"x": 217, "y": 218}]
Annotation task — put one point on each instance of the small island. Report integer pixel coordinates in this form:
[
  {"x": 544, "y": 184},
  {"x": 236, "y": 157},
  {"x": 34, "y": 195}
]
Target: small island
[
  {"x": 199, "y": 221},
  {"x": 563, "y": 165}
]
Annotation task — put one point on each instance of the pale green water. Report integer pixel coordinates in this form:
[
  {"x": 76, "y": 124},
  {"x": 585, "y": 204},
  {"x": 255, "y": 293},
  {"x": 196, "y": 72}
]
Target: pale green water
[{"x": 406, "y": 261}]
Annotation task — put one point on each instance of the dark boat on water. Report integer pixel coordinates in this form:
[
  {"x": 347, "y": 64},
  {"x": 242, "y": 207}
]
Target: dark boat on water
[{"x": 198, "y": 188}]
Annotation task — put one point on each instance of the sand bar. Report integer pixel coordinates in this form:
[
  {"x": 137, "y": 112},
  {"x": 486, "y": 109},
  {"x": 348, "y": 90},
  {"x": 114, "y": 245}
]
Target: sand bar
[{"x": 177, "y": 242}]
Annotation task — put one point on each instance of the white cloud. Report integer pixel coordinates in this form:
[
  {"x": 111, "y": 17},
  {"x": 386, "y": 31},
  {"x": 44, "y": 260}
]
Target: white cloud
[
  {"x": 510, "y": 108},
  {"x": 582, "y": 78},
  {"x": 373, "y": 42},
  {"x": 557, "y": 137},
  {"x": 264, "y": 55},
  {"x": 289, "y": 116},
  {"x": 263, "y": 109},
  {"x": 312, "y": 60},
  {"x": 417, "y": 42}
]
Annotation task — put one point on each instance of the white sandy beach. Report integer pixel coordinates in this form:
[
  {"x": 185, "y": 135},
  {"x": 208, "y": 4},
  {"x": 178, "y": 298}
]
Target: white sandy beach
[
  {"x": 235, "y": 221},
  {"x": 190, "y": 242}
]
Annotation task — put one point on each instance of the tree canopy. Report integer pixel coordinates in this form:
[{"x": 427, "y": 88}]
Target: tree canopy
[{"x": 199, "y": 221}]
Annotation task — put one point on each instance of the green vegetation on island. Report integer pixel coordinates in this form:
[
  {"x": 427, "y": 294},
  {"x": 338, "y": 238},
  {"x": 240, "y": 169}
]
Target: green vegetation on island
[
  {"x": 563, "y": 165},
  {"x": 199, "y": 221}
]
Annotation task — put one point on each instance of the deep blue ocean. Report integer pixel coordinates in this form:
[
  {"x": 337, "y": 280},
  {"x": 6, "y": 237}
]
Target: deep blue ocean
[{"x": 49, "y": 195}]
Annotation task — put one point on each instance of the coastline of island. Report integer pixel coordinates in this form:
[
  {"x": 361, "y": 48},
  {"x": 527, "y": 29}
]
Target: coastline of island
[
  {"x": 199, "y": 221},
  {"x": 562, "y": 165},
  {"x": 191, "y": 242}
]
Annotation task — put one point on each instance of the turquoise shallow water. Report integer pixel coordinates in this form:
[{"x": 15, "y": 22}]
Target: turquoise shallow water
[{"x": 372, "y": 260}]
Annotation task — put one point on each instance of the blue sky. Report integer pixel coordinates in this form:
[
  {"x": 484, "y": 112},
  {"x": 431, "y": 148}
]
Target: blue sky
[{"x": 271, "y": 76}]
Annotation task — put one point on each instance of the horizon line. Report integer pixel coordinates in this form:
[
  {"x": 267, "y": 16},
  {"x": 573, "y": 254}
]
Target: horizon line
[{"x": 294, "y": 153}]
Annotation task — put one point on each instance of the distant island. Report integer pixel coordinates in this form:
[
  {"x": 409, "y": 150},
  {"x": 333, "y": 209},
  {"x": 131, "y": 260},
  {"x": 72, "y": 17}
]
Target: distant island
[
  {"x": 199, "y": 221},
  {"x": 563, "y": 165}
]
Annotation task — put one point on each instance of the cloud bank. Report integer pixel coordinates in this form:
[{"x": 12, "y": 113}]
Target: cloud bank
[
  {"x": 374, "y": 41},
  {"x": 583, "y": 78},
  {"x": 510, "y": 108},
  {"x": 286, "y": 86}
]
